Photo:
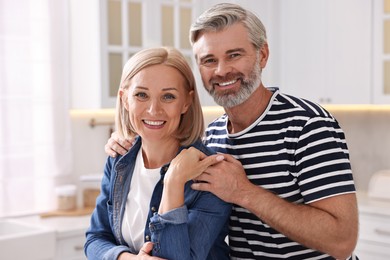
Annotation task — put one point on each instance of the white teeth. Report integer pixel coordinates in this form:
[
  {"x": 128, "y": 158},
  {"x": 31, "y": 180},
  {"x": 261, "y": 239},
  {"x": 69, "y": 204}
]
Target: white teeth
[
  {"x": 154, "y": 122},
  {"x": 227, "y": 83}
]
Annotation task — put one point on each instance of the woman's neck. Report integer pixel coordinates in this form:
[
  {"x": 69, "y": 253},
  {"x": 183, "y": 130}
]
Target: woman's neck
[{"x": 156, "y": 154}]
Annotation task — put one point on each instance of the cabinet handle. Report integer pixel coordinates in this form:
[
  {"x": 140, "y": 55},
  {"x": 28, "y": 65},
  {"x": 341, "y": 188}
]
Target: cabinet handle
[
  {"x": 382, "y": 232},
  {"x": 78, "y": 248}
]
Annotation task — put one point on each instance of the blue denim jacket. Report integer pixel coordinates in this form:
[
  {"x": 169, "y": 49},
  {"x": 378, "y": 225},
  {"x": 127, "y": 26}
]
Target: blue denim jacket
[{"x": 195, "y": 231}]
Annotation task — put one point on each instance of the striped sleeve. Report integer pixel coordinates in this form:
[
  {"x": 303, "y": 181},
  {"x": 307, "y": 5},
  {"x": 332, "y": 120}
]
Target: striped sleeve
[{"x": 322, "y": 160}]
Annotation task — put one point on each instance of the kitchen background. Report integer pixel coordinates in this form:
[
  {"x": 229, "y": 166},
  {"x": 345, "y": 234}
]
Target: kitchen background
[{"x": 60, "y": 64}]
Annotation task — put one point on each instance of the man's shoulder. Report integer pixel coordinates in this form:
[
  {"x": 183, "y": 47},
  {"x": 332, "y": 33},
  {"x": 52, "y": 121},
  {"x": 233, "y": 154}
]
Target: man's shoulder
[{"x": 299, "y": 105}]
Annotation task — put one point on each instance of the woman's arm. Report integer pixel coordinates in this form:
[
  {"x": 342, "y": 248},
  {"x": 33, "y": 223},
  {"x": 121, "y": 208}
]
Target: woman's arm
[
  {"x": 188, "y": 222},
  {"x": 189, "y": 164},
  {"x": 100, "y": 241}
]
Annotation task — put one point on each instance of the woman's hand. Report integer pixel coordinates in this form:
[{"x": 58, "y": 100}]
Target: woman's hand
[
  {"x": 144, "y": 254},
  {"x": 187, "y": 165}
]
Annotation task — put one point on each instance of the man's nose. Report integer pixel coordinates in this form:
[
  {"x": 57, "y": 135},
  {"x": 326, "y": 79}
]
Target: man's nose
[{"x": 222, "y": 68}]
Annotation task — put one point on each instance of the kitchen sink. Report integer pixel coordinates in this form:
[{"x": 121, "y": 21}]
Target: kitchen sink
[{"x": 19, "y": 240}]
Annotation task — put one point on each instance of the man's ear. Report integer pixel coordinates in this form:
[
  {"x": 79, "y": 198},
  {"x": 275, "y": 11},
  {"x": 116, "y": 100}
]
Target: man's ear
[
  {"x": 123, "y": 96},
  {"x": 264, "y": 51},
  {"x": 189, "y": 102}
]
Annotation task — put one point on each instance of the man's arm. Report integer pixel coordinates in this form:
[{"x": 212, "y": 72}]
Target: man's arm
[
  {"x": 329, "y": 225},
  {"x": 116, "y": 145}
]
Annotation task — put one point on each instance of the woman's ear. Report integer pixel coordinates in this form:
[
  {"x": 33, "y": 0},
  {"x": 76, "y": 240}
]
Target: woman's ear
[
  {"x": 189, "y": 102},
  {"x": 123, "y": 96}
]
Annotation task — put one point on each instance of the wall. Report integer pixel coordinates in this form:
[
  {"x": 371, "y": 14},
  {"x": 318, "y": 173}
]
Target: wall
[
  {"x": 366, "y": 128},
  {"x": 368, "y": 137}
]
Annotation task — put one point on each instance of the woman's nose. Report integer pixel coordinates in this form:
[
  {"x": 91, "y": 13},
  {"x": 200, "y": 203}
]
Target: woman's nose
[{"x": 154, "y": 108}]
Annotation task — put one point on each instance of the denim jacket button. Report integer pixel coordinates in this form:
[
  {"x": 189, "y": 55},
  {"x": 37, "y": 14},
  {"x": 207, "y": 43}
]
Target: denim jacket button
[
  {"x": 147, "y": 238},
  {"x": 153, "y": 209}
]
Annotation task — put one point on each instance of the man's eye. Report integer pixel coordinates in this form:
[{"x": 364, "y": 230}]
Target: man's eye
[
  {"x": 234, "y": 55},
  {"x": 209, "y": 62}
]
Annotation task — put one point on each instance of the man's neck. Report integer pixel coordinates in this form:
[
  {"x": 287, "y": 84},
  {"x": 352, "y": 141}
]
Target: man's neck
[{"x": 243, "y": 115}]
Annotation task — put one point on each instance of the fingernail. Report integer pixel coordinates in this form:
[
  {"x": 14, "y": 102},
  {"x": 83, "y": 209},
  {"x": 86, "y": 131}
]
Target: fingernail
[{"x": 220, "y": 158}]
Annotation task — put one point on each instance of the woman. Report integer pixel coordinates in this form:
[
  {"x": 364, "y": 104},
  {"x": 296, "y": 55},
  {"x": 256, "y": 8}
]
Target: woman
[{"x": 146, "y": 194}]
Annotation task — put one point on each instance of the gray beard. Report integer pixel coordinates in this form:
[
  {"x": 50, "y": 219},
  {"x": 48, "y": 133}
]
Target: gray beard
[{"x": 229, "y": 99}]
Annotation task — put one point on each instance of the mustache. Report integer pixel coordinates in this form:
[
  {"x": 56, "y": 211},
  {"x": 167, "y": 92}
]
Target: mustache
[{"x": 226, "y": 78}]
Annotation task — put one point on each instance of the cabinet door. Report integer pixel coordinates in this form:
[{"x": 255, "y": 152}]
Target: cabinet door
[
  {"x": 372, "y": 251},
  {"x": 381, "y": 51},
  {"x": 374, "y": 237},
  {"x": 325, "y": 50},
  {"x": 71, "y": 248}
]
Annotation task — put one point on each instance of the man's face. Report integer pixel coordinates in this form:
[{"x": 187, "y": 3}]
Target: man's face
[{"x": 229, "y": 65}]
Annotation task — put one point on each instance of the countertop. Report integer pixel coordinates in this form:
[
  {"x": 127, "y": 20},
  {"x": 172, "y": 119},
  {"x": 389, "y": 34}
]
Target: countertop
[{"x": 63, "y": 226}]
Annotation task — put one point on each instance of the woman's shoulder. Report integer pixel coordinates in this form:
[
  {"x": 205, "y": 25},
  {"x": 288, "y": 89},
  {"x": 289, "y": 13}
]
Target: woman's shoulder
[{"x": 202, "y": 147}]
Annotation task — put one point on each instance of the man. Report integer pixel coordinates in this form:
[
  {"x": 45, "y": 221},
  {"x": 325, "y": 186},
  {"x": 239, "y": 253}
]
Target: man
[{"x": 288, "y": 174}]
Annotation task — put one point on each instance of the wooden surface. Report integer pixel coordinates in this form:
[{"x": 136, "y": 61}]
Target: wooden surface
[{"x": 68, "y": 213}]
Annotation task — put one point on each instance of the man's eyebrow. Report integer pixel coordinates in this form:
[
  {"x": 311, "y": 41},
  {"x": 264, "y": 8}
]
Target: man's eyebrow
[
  {"x": 207, "y": 56},
  {"x": 235, "y": 50},
  {"x": 227, "y": 52}
]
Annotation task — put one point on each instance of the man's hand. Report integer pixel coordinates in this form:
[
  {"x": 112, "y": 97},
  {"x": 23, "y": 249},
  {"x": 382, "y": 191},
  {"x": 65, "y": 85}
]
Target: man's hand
[
  {"x": 226, "y": 179},
  {"x": 116, "y": 145},
  {"x": 338, "y": 215}
]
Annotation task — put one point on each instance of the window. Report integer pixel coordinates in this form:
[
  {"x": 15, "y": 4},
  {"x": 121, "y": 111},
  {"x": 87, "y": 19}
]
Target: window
[{"x": 127, "y": 27}]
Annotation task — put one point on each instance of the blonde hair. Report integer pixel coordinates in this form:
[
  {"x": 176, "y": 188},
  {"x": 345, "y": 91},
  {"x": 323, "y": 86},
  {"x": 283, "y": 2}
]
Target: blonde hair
[
  {"x": 191, "y": 126},
  {"x": 223, "y": 15}
]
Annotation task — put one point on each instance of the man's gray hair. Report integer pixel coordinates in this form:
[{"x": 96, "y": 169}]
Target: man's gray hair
[{"x": 224, "y": 15}]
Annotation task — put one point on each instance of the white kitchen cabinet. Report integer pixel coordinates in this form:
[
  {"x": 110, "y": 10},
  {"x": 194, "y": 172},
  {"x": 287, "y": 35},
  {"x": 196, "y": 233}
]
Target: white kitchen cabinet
[
  {"x": 70, "y": 234},
  {"x": 374, "y": 231},
  {"x": 326, "y": 50},
  {"x": 321, "y": 50},
  {"x": 71, "y": 247},
  {"x": 381, "y": 51}
]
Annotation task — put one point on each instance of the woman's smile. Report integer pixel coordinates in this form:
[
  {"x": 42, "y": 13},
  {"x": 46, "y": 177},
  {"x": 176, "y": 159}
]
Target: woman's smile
[{"x": 154, "y": 124}]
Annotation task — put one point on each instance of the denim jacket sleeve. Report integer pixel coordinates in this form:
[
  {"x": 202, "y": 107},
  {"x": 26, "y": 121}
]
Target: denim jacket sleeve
[
  {"x": 101, "y": 243},
  {"x": 189, "y": 232}
]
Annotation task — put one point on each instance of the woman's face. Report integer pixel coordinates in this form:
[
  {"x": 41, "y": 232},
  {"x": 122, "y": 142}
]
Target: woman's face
[{"x": 155, "y": 100}]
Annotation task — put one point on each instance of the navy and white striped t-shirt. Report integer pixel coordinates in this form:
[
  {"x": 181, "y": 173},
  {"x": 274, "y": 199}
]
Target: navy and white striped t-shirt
[{"x": 297, "y": 150}]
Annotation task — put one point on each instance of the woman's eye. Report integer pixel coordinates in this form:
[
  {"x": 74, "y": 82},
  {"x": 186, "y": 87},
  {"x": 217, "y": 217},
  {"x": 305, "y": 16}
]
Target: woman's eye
[
  {"x": 141, "y": 95},
  {"x": 169, "y": 97}
]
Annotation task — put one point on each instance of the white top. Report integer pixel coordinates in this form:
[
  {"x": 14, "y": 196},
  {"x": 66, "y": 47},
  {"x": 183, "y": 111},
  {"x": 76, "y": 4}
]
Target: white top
[{"x": 137, "y": 204}]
